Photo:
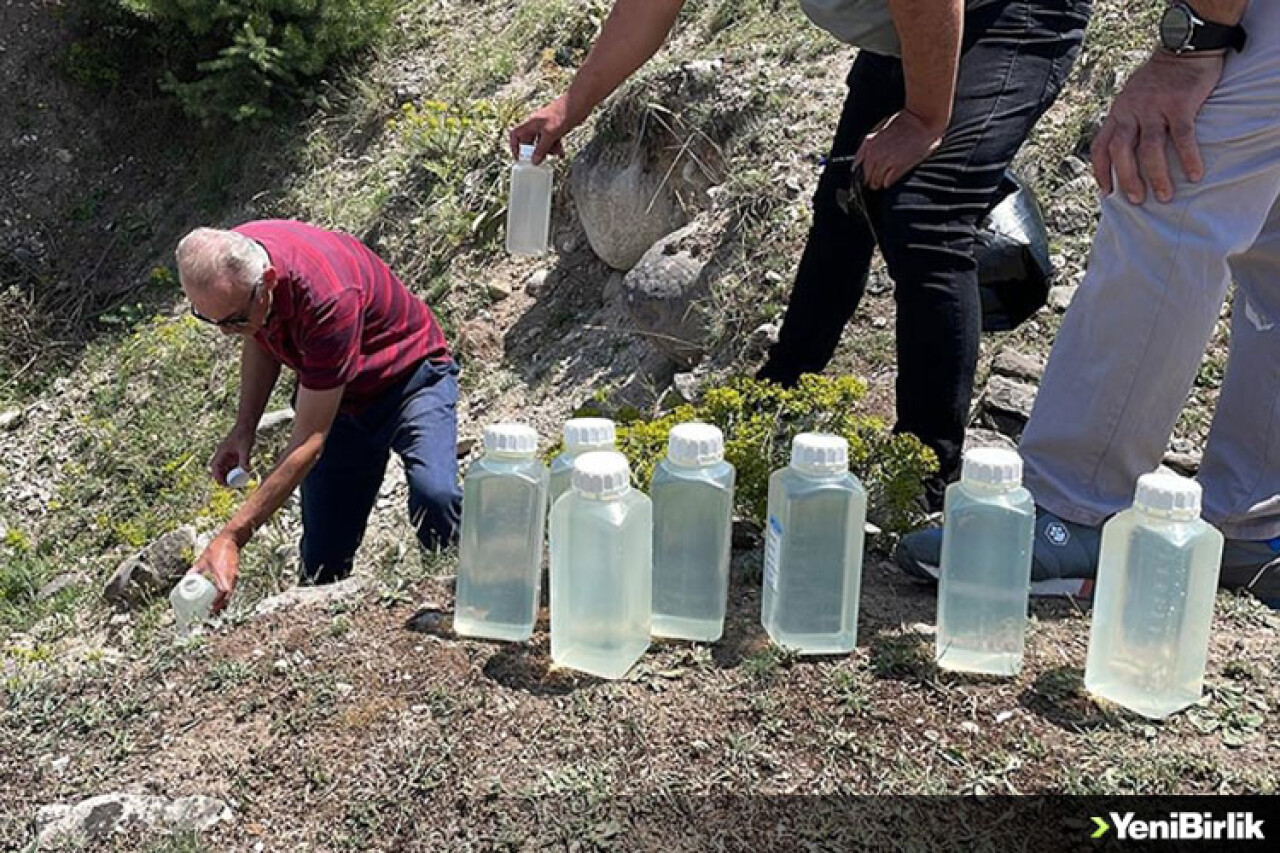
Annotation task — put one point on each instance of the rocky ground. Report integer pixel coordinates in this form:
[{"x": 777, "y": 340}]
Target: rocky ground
[{"x": 353, "y": 718}]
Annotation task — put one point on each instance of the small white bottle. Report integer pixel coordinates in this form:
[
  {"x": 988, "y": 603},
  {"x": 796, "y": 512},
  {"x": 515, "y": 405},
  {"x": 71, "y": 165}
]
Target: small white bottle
[
  {"x": 192, "y": 601},
  {"x": 581, "y": 435},
  {"x": 1153, "y": 607},
  {"x": 601, "y": 569},
  {"x": 237, "y": 478},
  {"x": 692, "y": 496},
  {"x": 504, "y": 508},
  {"x": 985, "y": 574},
  {"x": 529, "y": 210},
  {"x": 813, "y": 549}
]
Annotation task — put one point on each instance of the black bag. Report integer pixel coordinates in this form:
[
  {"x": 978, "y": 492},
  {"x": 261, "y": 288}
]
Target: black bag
[{"x": 1012, "y": 251}]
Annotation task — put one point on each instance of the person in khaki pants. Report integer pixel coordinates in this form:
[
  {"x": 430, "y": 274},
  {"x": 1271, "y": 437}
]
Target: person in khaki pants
[{"x": 1189, "y": 161}]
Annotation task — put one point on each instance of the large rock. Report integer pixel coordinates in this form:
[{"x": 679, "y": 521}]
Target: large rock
[
  {"x": 1007, "y": 404},
  {"x": 311, "y": 596},
  {"x": 654, "y": 157},
  {"x": 663, "y": 294},
  {"x": 1017, "y": 365},
  {"x": 99, "y": 816},
  {"x": 154, "y": 570}
]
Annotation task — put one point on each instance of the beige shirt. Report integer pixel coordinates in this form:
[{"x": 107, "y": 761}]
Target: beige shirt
[{"x": 864, "y": 23}]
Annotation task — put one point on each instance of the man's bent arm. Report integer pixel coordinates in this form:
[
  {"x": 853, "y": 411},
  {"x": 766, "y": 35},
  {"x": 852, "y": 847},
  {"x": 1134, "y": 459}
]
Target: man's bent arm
[
  {"x": 258, "y": 375},
  {"x": 930, "y": 32},
  {"x": 315, "y": 413},
  {"x": 632, "y": 33}
]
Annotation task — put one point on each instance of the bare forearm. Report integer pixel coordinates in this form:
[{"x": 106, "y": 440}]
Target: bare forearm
[
  {"x": 297, "y": 459},
  {"x": 1220, "y": 11},
  {"x": 930, "y": 32},
  {"x": 633, "y": 32},
  {"x": 258, "y": 375}
]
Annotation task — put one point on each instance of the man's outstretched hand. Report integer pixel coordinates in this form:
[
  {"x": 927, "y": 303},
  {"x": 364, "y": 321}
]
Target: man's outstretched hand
[
  {"x": 221, "y": 563},
  {"x": 544, "y": 129},
  {"x": 1158, "y": 106}
]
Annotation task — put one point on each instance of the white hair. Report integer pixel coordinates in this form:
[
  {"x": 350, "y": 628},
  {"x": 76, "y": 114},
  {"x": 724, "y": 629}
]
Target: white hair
[{"x": 209, "y": 253}]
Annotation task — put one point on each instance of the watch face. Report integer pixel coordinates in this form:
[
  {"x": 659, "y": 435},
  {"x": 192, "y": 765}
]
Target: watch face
[{"x": 1175, "y": 28}]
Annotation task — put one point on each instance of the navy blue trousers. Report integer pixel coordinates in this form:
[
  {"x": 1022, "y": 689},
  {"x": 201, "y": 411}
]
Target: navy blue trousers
[{"x": 416, "y": 418}]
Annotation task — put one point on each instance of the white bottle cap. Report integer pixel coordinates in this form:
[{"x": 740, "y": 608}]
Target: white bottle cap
[
  {"x": 511, "y": 439},
  {"x": 993, "y": 467},
  {"x": 589, "y": 434},
  {"x": 526, "y": 153},
  {"x": 1168, "y": 495},
  {"x": 695, "y": 444},
  {"x": 819, "y": 453},
  {"x": 193, "y": 587},
  {"x": 601, "y": 474},
  {"x": 237, "y": 478}
]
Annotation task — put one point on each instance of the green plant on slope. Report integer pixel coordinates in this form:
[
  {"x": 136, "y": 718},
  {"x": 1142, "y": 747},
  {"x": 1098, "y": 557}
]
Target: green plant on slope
[
  {"x": 240, "y": 59},
  {"x": 759, "y": 419}
]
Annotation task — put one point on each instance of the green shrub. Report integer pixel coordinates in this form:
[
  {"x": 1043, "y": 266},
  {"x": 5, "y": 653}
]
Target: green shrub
[
  {"x": 759, "y": 419},
  {"x": 240, "y": 59}
]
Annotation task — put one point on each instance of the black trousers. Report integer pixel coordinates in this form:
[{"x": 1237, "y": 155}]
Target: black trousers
[{"x": 1015, "y": 58}]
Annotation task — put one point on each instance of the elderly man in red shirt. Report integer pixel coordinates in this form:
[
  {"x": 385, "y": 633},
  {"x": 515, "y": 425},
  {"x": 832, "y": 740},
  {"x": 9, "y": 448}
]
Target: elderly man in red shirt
[{"x": 374, "y": 375}]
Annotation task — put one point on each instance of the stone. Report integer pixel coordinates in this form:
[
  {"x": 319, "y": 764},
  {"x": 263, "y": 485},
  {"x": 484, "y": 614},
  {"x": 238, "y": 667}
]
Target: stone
[
  {"x": 1061, "y": 295},
  {"x": 64, "y": 156},
  {"x": 662, "y": 296},
  {"x": 687, "y": 386},
  {"x": 61, "y": 582},
  {"x": 1007, "y": 404},
  {"x": 612, "y": 293},
  {"x": 762, "y": 337},
  {"x": 11, "y": 419},
  {"x": 536, "y": 284},
  {"x": 154, "y": 570},
  {"x": 498, "y": 290},
  {"x": 979, "y": 437},
  {"x": 98, "y": 817},
  {"x": 465, "y": 446},
  {"x": 311, "y": 596},
  {"x": 1186, "y": 464},
  {"x": 622, "y": 204},
  {"x": 644, "y": 175},
  {"x": 1018, "y": 365},
  {"x": 431, "y": 620}
]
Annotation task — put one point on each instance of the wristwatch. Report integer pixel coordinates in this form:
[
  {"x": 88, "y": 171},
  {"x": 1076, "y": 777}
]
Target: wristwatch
[{"x": 1183, "y": 31}]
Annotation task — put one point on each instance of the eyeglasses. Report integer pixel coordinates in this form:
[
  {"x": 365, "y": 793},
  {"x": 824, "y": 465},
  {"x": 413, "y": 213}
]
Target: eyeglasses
[{"x": 236, "y": 321}]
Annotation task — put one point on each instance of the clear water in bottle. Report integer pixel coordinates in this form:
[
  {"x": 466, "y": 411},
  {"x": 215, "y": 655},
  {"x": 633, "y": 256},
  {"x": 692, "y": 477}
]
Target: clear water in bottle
[
  {"x": 581, "y": 435},
  {"x": 503, "y": 517},
  {"x": 192, "y": 601},
  {"x": 1153, "y": 605},
  {"x": 813, "y": 549},
  {"x": 986, "y": 566},
  {"x": 601, "y": 569},
  {"x": 692, "y": 497},
  {"x": 529, "y": 209}
]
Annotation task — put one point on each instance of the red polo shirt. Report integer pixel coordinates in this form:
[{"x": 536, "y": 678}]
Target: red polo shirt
[{"x": 339, "y": 316}]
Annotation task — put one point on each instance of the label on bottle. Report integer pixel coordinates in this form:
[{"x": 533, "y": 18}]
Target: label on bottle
[{"x": 772, "y": 552}]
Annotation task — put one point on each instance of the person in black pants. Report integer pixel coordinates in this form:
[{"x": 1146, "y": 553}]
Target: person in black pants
[
  {"x": 940, "y": 99},
  {"x": 1014, "y": 60}
]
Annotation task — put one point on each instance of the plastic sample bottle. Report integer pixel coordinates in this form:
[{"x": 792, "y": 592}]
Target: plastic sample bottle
[
  {"x": 986, "y": 565},
  {"x": 601, "y": 569},
  {"x": 500, "y": 552},
  {"x": 813, "y": 548},
  {"x": 529, "y": 209},
  {"x": 692, "y": 497},
  {"x": 1153, "y": 606},
  {"x": 237, "y": 478},
  {"x": 581, "y": 435},
  {"x": 192, "y": 601}
]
